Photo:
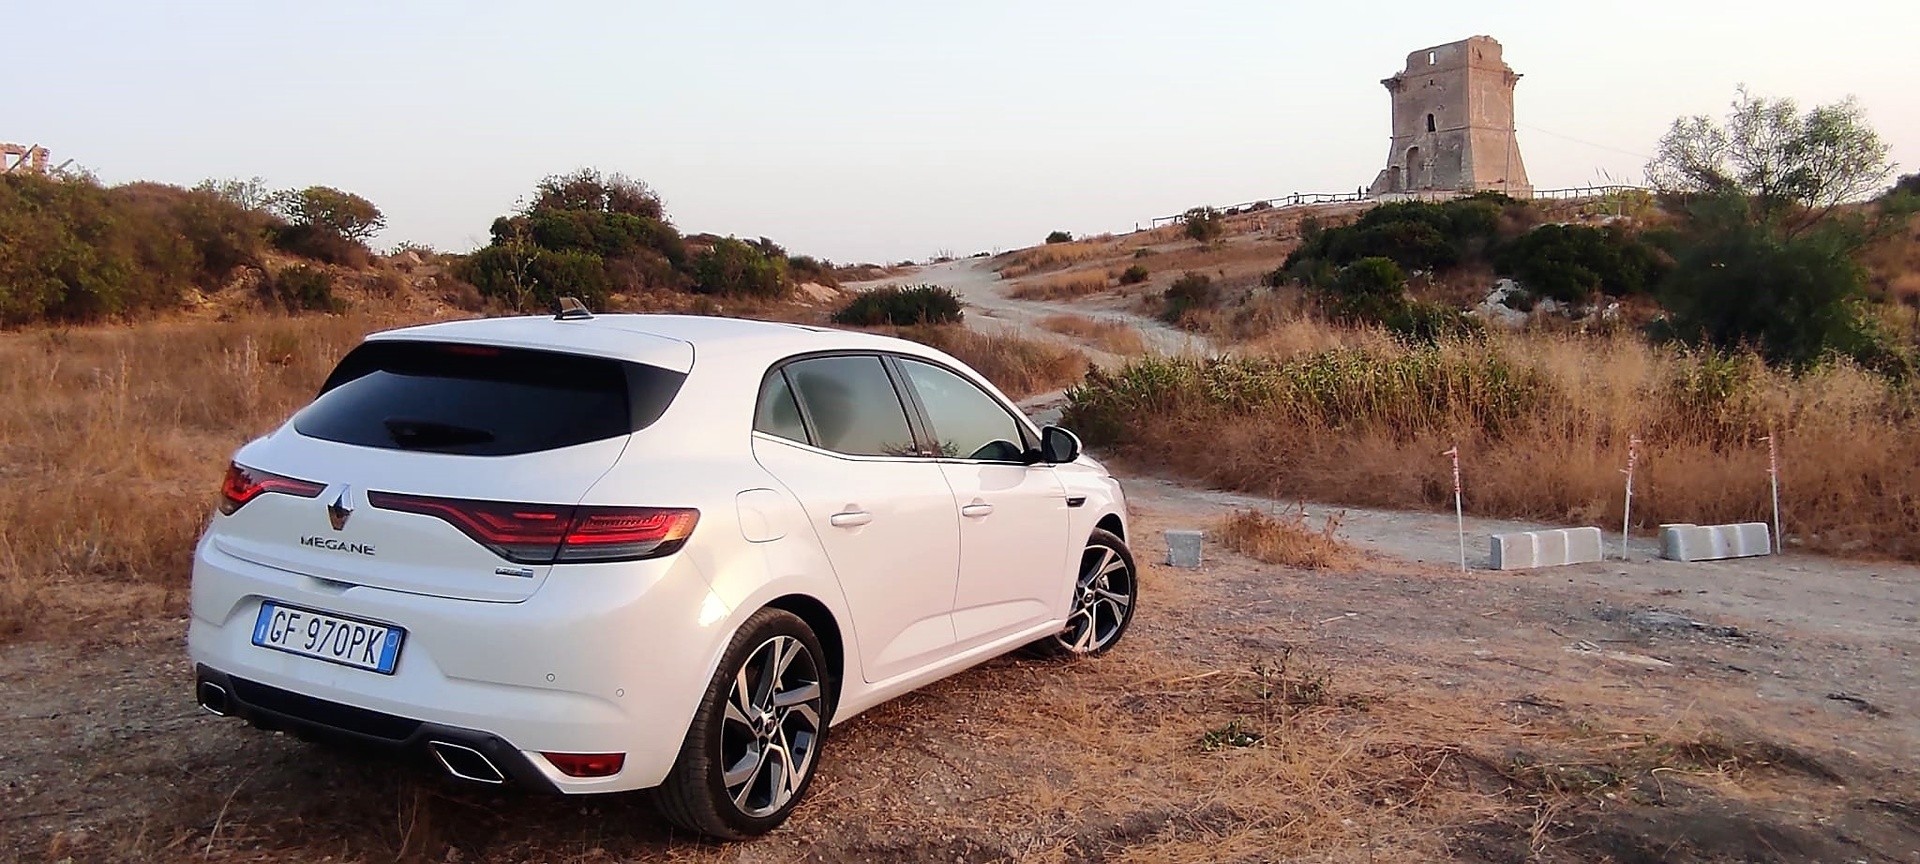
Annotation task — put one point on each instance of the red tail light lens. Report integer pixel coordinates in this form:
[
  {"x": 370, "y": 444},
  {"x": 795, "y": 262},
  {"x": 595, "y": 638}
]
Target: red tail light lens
[
  {"x": 546, "y": 533},
  {"x": 244, "y": 484},
  {"x": 587, "y": 764}
]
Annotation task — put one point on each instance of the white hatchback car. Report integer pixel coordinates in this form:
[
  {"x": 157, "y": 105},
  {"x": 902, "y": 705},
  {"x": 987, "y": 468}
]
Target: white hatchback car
[{"x": 594, "y": 554}]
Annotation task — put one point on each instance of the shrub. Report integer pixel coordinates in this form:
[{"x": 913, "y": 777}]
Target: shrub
[
  {"x": 73, "y": 250},
  {"x": 736, "y": 268},
  {"x": 322, "y": 244},
  {"x": 901, "y": 306},
  {"x": 528, "y": 278},
  {"x": 1417, "y": 235},
  {"x": 1059, "y": 237},
  {"x": 1204, "y": 223},
  {"x": 301, "y": 288},
  {"x": 1134, "y": 275},
  {"x": 1572, "y": 263},
  {"x": 1190, "y": 292},
  {"x": 1736, "y": 285},
  {"x": 806, "y": 268}
]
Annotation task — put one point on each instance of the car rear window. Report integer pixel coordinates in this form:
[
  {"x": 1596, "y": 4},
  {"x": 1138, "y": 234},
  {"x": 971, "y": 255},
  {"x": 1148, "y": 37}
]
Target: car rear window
[{"x": 481, "y": 400}]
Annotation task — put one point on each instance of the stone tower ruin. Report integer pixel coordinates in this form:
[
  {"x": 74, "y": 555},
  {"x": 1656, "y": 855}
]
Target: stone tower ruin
[{"x": 1453, "y": 127}]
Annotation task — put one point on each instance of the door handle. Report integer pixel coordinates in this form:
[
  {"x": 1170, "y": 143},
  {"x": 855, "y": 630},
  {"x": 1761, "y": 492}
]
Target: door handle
[
  {"x": 976, "y": 510},
  {"x": 850, "y": 518}
]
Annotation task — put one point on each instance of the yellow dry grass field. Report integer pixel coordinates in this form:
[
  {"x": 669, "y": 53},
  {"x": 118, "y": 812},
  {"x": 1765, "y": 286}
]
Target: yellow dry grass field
[
  {"x": 1112, "y": 337},
  {"x": 1064, "y": 286}
]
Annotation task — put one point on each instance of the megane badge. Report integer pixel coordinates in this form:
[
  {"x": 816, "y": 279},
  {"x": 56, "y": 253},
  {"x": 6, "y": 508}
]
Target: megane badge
[{"x": 339, "y": 511}]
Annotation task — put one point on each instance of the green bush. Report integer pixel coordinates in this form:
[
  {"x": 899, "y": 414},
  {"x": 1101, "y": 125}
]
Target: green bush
[
  {"x": 1189, "y": 292},
  {"x": 330, "y": 210},
  {"x": 1059, "y": 237},
  {"x": 1573, "y": 263},
  {"x": 901, "y": 306},
  {"x": 301, "y": 288},
  {"x": 1134, "y": 275},
  {"x": 733, "y": 267}
]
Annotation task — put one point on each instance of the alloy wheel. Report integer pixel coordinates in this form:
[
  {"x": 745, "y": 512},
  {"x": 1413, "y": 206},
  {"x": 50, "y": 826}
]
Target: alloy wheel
[
  {"x": 771, "y": 726},
  {"x": 1102, "y": 600}
]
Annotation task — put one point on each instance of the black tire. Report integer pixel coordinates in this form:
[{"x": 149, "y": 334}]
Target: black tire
[
  {"x": 1106, "y": 591},
  {"x": 696, "y": 794}
]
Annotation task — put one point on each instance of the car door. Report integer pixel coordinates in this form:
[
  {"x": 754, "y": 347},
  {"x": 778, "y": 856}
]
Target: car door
[
  {"x": 1013, "y": 516},
  {"x": 834, "y": 430}
]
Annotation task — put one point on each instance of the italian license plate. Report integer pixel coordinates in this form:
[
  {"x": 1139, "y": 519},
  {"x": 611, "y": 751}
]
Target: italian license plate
[{"x": 346, "y": 641}]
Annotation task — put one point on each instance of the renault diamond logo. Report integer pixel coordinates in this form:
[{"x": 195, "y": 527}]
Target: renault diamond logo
[{"x": 339, "y": 511}]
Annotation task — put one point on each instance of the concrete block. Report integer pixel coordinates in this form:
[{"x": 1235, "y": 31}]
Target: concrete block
[
  {"x": 1713, "y": 542},
  {"x": 1183, "y": 548},
  {"x": 1551, "y": 548}
]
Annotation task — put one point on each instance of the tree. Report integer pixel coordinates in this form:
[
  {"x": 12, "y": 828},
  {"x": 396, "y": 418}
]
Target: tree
[
  {"x": 1794, "y": 166},
  {"x": 1060, "y": 237},
  {"x": 343, "y": 213}
]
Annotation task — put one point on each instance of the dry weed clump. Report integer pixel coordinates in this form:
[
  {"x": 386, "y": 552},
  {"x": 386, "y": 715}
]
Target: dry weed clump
[
  {"x": 1543, "y": 423},
  {"x": 1285, "y": 538},
  {"x": 1065, "y": 286},
  {"x": 1112, "y": 337}
]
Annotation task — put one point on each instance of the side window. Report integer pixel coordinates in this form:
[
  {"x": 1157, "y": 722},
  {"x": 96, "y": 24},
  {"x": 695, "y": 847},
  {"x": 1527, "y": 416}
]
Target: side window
[
  {"x": 853, "y": 406},
  {"x": 777, "y": 414},
  {"x": 968, "y": 423}
]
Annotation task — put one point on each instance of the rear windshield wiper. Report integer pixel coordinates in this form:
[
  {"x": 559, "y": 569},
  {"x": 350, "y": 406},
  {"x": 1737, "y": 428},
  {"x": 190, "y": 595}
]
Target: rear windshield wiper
[{"x": 429, "y": 434}]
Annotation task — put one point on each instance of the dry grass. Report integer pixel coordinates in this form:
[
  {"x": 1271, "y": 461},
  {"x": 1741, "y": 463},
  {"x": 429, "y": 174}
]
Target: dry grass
[
  {"x": 1064, "y": 286},
  {"x": 1112, "y": 337},
  {"x": 1019, "y": 366},
  {"x": 1543, "y": 424},
  {"x": 1053, "y": 256},
  {"x": 1286, "y": 538},
  {"x": 112, "y": 442}
]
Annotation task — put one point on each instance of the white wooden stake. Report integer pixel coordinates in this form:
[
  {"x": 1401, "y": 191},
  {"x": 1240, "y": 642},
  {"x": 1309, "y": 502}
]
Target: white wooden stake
[
  {"x": 1773, "y": 477},
  {"x": 1459, "y": 514},
  {"x": 1626, "y": 512}
]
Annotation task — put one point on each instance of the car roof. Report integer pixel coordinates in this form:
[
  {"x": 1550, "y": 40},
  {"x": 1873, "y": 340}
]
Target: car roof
[{"x": 667, "y": 341}]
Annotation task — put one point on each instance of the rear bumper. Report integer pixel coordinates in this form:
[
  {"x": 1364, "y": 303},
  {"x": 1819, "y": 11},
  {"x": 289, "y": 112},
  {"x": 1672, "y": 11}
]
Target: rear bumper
[
  {"x": 604, "y": 658},
  {"x": 466, "y": 753}
]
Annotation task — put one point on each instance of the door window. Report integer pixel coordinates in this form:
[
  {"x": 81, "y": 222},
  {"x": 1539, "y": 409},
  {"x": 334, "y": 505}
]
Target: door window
[
  {"x": 967, "y": 422},
  {"x": 777, "y": 414},
  {"x": 852, "y": 405}
]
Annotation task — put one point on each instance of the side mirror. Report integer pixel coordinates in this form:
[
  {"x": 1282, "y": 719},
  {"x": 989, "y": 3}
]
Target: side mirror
[{"x": 1058, "y": 446}]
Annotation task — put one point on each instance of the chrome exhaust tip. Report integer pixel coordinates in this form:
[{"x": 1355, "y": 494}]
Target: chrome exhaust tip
[
  {"x": 212, "y": 697},
  {"x": 466, "y": 763}
]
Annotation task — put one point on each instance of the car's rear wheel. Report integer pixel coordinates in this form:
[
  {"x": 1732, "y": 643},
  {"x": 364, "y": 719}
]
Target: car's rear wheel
[
  {"x": 1104, "y": 594},
  {"x": 754, "y": 745}
]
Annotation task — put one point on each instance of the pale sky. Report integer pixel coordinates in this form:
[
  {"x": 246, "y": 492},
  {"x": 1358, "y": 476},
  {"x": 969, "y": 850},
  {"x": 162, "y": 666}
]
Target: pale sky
[{"x": 881, "y": 131}]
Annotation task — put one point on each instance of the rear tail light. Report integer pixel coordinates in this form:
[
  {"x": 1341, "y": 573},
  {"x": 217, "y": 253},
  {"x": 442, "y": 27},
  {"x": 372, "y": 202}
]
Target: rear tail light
[
  {"x": 244, "y": 484},
  {"x": 549, "y": 533},
  {"x": 587, "y": 764}
]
